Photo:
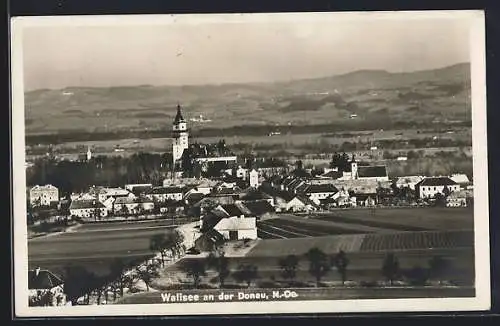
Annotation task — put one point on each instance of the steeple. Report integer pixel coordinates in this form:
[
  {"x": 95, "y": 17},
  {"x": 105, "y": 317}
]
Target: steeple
[{"x": 178, "y": 116}]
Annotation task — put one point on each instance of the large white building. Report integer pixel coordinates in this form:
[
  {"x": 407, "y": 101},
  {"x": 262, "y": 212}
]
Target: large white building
[
  {"x": 43, "y": 195},
  {"x": 429, "y": 187},
  {"x": 180, "y": 136}
]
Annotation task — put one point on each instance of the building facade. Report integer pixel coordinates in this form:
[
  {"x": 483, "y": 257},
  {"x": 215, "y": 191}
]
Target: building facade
[{"x": 43, "y": 195}]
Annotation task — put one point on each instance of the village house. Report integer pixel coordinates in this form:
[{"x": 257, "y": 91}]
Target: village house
[
  {"x": 261, "y": 208},
  {"x": 457, "y": 199},
  {"x": 429, "y": 187},
  {"x": 172, "y": 207},
  {"x": 40, "y": 283},
  {"x": 461, "y": 179},
  {"x": 162, "y": 194},
  {"x": 317, "y": 192},
  {"x": 408, "y": 181},
  {"x": 362, "y": 172},
  {"x": 43, "y": 195},
  {"x": 300, "y": 203},
  {"x": 127, "y": 205},
  {"x": 139, "y": 189},
  {"x": 88, "y": 208},
  {"x": 103, "y": 193}
]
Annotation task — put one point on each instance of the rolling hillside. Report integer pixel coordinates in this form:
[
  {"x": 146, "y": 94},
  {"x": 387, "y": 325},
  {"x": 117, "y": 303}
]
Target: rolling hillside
[{"x": 372, "y": 95}]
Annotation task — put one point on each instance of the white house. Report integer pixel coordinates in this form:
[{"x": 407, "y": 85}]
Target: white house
[
  {"x": 131, "y": 187},
  {"x": 457, "y": 199},
  {"x": 317, "y": 192},
  {"x": 409, "y": 181},
  {"x": 132, "y": 205},
  {"x": 300, "y": 204},
  {"x": 43, "y": 195},
  {"x": 429, "y": 187},
  {"x": 88, "y": 209},
  {"x": 162, "y": 194},
  {"x": 237, "y": 228}
]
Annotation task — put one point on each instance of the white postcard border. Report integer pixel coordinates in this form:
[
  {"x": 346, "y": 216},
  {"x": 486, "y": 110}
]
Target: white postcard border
[{"x": 479, "y": 138}]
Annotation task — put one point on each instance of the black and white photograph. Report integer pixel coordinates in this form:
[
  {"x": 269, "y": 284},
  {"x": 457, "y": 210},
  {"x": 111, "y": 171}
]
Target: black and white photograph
[{"x": 250, "y": 163}]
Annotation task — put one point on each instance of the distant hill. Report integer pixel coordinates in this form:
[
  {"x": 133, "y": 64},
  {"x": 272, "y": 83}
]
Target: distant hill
[{"x": 360, "y": 96}]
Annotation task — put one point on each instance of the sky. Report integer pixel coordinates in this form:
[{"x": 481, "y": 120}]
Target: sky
[{"x": 184, "y": 51}]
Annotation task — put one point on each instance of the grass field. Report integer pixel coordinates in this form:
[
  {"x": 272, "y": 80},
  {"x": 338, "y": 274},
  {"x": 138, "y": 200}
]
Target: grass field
[{"x": 432, "y": 218}]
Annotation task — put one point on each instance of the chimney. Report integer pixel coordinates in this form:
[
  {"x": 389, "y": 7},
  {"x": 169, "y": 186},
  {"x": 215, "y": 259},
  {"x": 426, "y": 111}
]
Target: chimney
[{"x": 37, "y": 271}]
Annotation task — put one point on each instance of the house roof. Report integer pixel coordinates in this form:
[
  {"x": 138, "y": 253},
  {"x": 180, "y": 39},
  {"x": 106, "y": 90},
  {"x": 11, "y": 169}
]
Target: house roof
[
  {"x": 321, "y": 188},
  {"x": 46, "y": 187},
  {"x": 237, "y": 223},
  {"x": 128, "y": 200},
  {"x": 44, "y": 280},
  {"x": 437, "y": 181},
  {"x": 372, "y": 171},
  {"x": 460, "y": 178},
  {"x": 259, "y": 207},
  {"x": 234, "y": 209},
  {"x": 194, "y": 197},
  {"x": 305, "y": 200},
  {"x": 409, "y": 179},
  {"x": 332, "y": 175},
  {"x": 86, "y": 204},
  {"x": 253, "y": 194},
  {"x": 211, "y": 219},
  {"x": 167, "y": 190}
]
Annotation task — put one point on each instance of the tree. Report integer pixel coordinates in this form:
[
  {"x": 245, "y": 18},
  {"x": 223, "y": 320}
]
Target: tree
[
  {"x": 147, "y": 274},
  {"x": 174, "y": 242},
  {"x": 438, "y": 267},
  {"x": 288, "y": 267},
  {"x": 194, "y": 268},
  {"x": 119, "y": 272},
  {"x": 319, "y": 265},
  {"x": 157, "y": 243},
  {"x": 390, "y": 267},
  {"x": 341, "y": 262},
  {"x": 76, "y": 282},
  {"x": 246, "y": 273},
  {"x": 220, "y": 263}
]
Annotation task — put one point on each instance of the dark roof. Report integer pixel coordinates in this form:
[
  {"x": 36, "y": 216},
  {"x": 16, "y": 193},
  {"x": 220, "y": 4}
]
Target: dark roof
[
  {"x": 44, "y": 280},
  {"x": 140, "y": 189},
  {"x": 259, "y": 207},
  {"x": 318, "y": 188},
  {"x": 194, "y": 197},
  {"x": 333, "y": 174},
  {"x": 223, "y": 191},
  {"x": 437, "y": 181},
  {"x": 254, "y": 195},
  {"x": 232, "y": 210},
  {"x": 85, "y": 204},
  {"x": 178, "y": 116},
  {"x": 279, "y": 193},
  {"x": 372, "y": 171},
  {"x": 167, "y": 190},
  {"x": 211, "y": 219}
]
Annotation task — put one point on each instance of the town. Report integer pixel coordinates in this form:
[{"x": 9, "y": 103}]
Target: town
[{"x": 210, "y": 208}]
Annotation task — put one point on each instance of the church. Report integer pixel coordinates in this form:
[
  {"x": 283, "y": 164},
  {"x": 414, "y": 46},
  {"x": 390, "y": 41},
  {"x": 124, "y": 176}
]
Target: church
[{"x": 204, "y": 154}]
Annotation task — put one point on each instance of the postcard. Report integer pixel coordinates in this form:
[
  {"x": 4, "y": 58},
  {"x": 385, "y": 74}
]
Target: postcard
[{"x": 204, "y": 164}]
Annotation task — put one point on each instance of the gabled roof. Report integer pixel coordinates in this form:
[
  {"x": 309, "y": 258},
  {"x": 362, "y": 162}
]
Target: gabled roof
[
  {"x": 437, "y": 181},
  {"x": 46, "y": 187},
  {"x": 86, "y": 204},
  {"x": 460, "y": 178},
  {"x": 253, "y": 194},
  {"x": 234, "y": 210},
  {"x": 332, "y": 175},
  {"x": 321, "y": 188},
  {"x": 44, "y": 280},
  {"x": 260, "y": 207},
  {"x": 409, "y": 179},
  {"x": 211, "y": 219},
  {"x": 372, "y": 171},
  {"x": 194, "y": 197},
  {"x": 167, "y": 190},
  {"x": 305, "y": 200}
]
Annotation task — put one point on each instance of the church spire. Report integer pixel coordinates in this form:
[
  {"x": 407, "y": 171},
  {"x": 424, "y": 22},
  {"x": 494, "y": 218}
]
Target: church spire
[{"x": 178, "y": 116}]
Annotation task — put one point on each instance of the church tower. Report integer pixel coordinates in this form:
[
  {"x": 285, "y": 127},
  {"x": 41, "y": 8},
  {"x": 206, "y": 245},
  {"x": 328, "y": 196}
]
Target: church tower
[
  {"x": 354, "y": 168},
  {"x": 180, "y": 136}
]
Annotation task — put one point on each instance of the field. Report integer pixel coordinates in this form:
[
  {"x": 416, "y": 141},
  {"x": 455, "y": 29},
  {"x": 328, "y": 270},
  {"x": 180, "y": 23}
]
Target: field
[{"x": 94, "y": 246}]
